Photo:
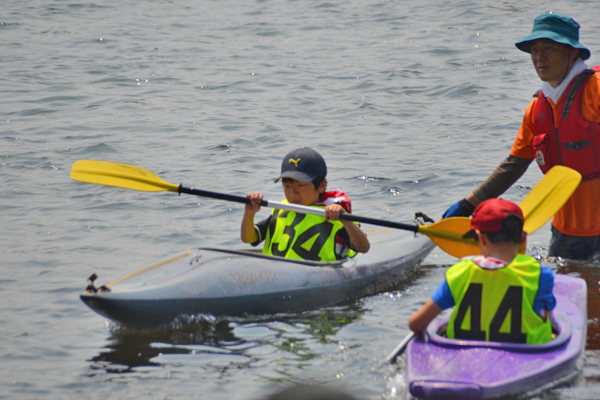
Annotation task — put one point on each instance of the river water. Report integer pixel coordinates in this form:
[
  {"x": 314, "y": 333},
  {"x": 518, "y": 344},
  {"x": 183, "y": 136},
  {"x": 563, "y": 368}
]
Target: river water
[{"x": 412, "y": 104}]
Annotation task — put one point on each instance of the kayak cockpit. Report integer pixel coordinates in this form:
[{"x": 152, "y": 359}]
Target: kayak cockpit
[
  {"x": 259, "y": 254},
  {"x": 437, "y": 328}
]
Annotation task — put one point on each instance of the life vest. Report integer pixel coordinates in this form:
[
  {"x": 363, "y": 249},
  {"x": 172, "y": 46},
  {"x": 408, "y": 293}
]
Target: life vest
[
  {"x": 571, "y": 141},
  {"x": 336, "y": 197},
  {"x": 497, "y": 304},
  {"x": 304, "y": 236}
]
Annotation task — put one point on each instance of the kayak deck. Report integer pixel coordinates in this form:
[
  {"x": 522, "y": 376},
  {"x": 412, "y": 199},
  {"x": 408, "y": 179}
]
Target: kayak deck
[
  {"x": 438, "y": 367},
  {"x": 222, "y": 282}
]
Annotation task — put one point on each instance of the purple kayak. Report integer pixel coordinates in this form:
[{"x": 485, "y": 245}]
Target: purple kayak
[{"x": 438, "y": 367}]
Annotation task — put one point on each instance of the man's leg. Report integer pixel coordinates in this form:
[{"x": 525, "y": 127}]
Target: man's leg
[{"x": 573, "y": 247}]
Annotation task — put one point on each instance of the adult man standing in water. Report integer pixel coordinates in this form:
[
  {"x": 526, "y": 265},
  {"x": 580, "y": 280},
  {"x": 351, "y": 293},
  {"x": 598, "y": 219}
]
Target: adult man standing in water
[{"x": 561, "y": 126}]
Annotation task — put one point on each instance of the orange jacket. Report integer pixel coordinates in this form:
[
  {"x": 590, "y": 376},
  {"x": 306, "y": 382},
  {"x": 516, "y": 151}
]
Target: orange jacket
[{"x": 580, "y": 216}]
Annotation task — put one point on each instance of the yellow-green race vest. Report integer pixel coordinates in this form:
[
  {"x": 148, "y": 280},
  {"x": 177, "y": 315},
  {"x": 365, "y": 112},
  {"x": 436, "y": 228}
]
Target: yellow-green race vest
[
  {"x": 497, "y": 304},
  {"x": 302, "y": 236}
]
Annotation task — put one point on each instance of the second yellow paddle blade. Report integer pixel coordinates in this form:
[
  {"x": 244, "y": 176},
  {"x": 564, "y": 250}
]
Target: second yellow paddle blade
[
  {"x": 548, "y": 196},
  {"x": 544, "y": 200},
  {"x": 119, "y": 175},
  {"x": 457, "y": 226}
]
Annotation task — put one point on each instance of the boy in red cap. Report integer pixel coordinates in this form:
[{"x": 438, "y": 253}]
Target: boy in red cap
[
  {"x": 303, "y": 236},
  {"x": 500, "y": 295}
]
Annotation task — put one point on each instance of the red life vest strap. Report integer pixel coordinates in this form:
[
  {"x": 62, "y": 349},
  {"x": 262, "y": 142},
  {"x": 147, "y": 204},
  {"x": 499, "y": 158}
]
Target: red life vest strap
[
  {"x": 580, "y": 79},
  {"x": 338, "y": 197}
]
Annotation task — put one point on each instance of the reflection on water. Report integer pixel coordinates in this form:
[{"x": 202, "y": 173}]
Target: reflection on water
[
  {"x": 294, "y": 334},
  {"x": 134, "y": 348},
  {"x": 591, "y": 273}
]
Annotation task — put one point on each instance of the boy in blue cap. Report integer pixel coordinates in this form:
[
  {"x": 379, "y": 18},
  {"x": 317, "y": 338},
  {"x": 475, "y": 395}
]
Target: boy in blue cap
[
  {"x": 303, "y": 236},
  {"x": 499, "y": 296},
  {"x": 561, "y": 126}
]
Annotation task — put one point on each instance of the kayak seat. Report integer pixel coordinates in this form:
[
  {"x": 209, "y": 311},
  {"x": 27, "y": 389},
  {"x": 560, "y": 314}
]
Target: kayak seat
[{"x": 437, "y": 328}]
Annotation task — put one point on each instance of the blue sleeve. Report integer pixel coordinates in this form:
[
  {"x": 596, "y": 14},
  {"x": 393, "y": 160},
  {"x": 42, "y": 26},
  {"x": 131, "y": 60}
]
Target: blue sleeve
[
  {"x": 443, "y": 296},
  {"x": 544, "y": 297}
]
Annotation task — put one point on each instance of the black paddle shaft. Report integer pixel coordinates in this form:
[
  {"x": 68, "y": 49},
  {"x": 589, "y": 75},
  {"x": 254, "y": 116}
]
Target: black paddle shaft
[
  {"x": 265, "y": 203},
  {"x": 380, "y": 222},
  {"x": 220, "y": 196}
]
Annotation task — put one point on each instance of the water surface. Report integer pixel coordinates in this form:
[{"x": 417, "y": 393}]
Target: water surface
[{"x": 411, "y": 103}]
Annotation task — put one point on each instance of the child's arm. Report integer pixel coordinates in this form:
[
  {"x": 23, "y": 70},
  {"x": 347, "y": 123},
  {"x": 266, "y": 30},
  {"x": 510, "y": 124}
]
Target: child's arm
[
  {"x": 419, "y": 320},
  {"x": 545, "y": 301},
  {"x": 248, "y": 232},
  {"x": 357, "y": 236}
]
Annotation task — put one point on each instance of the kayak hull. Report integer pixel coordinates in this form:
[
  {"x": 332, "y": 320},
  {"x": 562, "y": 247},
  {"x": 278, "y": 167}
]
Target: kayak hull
[
  {"x": 437, "y": 367},
  {"x": 219, "y": 282}
]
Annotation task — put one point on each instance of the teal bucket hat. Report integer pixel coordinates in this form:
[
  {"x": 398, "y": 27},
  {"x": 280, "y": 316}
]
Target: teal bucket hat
[{"x": 556, "y": 27}]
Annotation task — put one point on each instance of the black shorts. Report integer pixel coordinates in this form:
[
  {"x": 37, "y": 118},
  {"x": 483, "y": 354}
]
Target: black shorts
[{"x": 573, "y": 247}]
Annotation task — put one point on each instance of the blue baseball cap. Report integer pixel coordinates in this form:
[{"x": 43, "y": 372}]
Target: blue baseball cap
[
  {"x": 303, "y": 165},
  {"x": 557, "y": 27}
]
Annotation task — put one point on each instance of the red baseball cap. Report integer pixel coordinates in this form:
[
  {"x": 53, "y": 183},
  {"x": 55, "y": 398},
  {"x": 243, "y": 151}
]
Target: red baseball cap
[{"x": 488, "y": 216}]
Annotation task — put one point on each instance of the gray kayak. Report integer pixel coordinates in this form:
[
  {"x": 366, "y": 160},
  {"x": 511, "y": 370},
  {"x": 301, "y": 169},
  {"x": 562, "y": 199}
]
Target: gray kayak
[{"x": 220, "y": 282}]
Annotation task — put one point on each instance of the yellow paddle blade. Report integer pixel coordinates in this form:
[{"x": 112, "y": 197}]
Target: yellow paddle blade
[
  {"x": 119, "y": 175},
  {"x": 447, "y": 235},
  {"x": 544, "y": 200},
  {"x": 548, "y": 196}
]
